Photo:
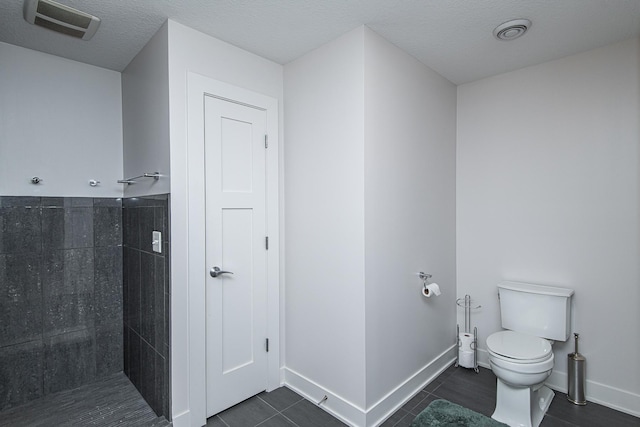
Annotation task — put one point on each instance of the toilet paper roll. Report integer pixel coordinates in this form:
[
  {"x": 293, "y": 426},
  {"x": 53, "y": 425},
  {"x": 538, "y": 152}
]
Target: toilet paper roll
[
  {"x": 465, "y": 342},
  {"x": 465, "y": 359},
  {"x": 431, "y": 290}
]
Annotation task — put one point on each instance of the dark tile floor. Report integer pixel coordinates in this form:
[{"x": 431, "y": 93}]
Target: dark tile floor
[
  {"x": 284, "y": 408},
  {"x": 279, "y": 408},
  {"x": 111, "y": 402},
  {"x": 478, "y": 392},
  {"x": 116, "y": 402}
]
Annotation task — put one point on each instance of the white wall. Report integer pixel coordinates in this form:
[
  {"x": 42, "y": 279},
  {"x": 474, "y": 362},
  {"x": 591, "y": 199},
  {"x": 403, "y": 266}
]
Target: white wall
[
  {"x": 370, "y": 202},
  {"x": 191, "y": 51},
  {"x": 324, "y": 173},
  {"x": 548, "y": 192},
  {"x": 145, "y": 116},
  {"x": 60, "y": 120},
  {"x": 410, "y": 131}
]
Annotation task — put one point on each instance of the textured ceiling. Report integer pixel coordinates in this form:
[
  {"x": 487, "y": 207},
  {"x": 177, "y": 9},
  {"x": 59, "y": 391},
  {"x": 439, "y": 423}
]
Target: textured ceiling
[{"x": 454, "y": 37}]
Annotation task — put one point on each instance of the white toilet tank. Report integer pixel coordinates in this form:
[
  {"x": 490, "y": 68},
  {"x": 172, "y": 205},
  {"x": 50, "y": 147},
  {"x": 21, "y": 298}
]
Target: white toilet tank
[{"x": 543, "y": 311}]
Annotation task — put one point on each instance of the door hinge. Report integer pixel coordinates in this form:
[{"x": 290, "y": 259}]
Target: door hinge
[
  {"x": 266, "y": 243},
  {"x": 266, "y": 346},
  {"x": 266, "y": 141}
]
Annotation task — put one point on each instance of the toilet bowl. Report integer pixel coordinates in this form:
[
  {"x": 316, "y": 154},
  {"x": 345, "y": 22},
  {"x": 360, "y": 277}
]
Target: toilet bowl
[
  {"x": 521, "y": 363},
  {"x": 520, "y": 356}
]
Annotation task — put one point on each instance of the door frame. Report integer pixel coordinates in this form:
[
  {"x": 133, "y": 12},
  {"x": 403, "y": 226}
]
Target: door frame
[{"x": 197, "y": 266}]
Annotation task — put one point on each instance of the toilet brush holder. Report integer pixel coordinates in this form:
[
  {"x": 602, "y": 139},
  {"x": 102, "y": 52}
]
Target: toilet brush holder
[{"x": 576, "y": 370}]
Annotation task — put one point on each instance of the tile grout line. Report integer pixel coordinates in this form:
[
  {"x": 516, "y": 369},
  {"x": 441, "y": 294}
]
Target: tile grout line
[
  {"x": 223, "y": 421},
  {"x": 264, "y": 421},
  {"x": 289, "y": 419},
  {"x": 281, "y": 412}
]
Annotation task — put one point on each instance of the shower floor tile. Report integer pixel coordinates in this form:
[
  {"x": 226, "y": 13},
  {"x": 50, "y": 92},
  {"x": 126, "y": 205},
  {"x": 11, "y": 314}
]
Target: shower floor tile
[{"x": 113, "y": 401}]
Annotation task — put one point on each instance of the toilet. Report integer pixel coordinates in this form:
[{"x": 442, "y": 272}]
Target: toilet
[{"x": 521, "y": 356}]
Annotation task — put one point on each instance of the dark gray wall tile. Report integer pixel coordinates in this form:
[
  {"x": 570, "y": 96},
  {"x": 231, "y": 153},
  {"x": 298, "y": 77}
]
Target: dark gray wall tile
[
  {"x": 162, "y": 386},
  {"x": 67, "y": 313},
  {"x": 159, "y": 222},
  {"x": 126, "y": 303},
  {"x": 135, "y": 356},
  {"x": 159, "y": 308},
  {"x": 68, "y": 289},
  {"x": 109, "y": 350},
  {"x": 21, "y": 373},
  {"x": 20, "y": 298},
  {"x": 53, "y": 228},
  {"x": 166, "y": 254},
  {"x": 48, "y": 202},
  {"x": 19, "y": 201},
  {"x": 148, "y": 375},
  {"x": 108, "y": 287},
  {"x": 147, "y": 298},
  {"x": 69, "y": 360},
  {"x": 78, "y": 202},
  {"x": 148, "y": 201},
  {"x": 78, "y": 227},
  {"x": 107, "y": 202},
  {"x": 146, "y": 218},
  {"x": 20, "y": 230},
  {"x": 167, "y": 321},
  {"x": 130, "y": 230},
  {"x": 107, "y": 226},
  {"x": 132, "y": 302},
  {"x": 126, "y": 349},
  {"x": 20, "y": 276},
  {"x": 67, "y": 228}
]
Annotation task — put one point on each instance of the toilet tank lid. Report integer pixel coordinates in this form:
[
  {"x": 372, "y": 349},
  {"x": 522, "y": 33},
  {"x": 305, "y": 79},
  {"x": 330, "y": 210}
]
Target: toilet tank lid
[{"x": 536, "y": 289}]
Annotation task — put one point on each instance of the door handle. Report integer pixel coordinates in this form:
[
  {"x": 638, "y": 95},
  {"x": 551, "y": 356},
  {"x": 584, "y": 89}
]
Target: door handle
[{"x": 215, "y": 272}]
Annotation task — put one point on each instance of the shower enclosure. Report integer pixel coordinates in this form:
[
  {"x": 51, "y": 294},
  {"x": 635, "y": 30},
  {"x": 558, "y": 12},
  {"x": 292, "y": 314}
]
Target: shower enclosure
[{"x": 83, "y": 296}]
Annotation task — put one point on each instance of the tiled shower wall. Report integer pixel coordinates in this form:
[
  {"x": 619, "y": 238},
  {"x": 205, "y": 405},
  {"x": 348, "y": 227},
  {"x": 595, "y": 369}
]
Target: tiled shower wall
[
  {"x": 147, "y": 299},
  {"x": 60, "y": 294}
]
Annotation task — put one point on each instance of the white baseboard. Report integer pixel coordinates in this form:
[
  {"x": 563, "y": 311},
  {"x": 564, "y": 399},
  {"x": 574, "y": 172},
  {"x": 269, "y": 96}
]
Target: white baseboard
[
  {"x": 611, "y": 397},
  {"x": 337, "y": 406},
  {"x": 182, "y": 420},
  {"x": 389, "y": 404},
  {"x": 377, "y": 413}
]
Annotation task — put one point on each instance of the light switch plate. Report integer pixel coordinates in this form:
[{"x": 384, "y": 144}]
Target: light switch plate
[{"x": 156, "y": 241}]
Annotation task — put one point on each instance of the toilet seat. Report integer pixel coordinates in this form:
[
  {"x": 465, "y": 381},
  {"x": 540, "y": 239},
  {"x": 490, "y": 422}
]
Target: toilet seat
[{"x": 516, "y": 347}]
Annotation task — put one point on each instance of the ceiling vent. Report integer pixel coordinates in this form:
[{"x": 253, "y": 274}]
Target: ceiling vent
[
  {"x": 63, "y": 19},
  {"x": 511, "y": 30}
]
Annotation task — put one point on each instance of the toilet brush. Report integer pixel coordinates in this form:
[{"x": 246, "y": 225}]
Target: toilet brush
[{"x": 577, "y": 366}]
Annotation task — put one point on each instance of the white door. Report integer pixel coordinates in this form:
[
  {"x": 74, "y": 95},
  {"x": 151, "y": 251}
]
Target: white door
[{"x": 236, "y": 301}]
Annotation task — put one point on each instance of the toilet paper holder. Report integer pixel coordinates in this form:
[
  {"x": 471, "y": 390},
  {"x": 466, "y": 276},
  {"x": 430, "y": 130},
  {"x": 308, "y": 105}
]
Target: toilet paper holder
[
  {"x": 466, "y": 304},
  {"x": 428, "y": 289},
  {"x": 424, "y": 276}
]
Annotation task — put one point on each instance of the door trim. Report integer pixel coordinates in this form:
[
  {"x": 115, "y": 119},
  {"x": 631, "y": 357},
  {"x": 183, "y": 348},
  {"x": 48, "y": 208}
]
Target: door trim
[{"x": 196, "y": 86}]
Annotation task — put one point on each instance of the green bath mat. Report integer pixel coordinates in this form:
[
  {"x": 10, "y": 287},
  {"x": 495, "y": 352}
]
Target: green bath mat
[{"x": 442, "y": 413}]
